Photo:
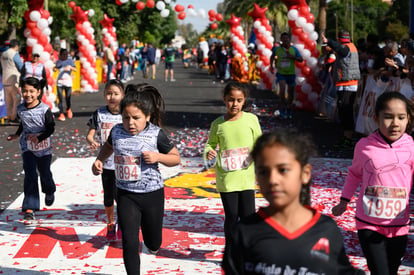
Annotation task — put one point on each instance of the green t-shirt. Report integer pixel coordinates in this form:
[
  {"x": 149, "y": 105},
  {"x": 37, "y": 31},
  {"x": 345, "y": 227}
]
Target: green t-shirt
[
  {"x": 169, "y": 54},
  {"x": 285, "y": 65},
  {"x": 235, "y": 140}
]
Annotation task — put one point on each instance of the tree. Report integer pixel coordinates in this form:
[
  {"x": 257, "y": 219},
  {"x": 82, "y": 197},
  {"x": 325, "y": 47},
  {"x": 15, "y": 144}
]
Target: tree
[{"x": 11, "y": 20}]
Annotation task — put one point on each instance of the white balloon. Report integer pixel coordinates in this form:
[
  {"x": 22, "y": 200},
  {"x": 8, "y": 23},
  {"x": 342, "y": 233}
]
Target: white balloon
[
  {"x": 31, "y": 41},
  {"x": 300, "y": 80},
  {"x": 91, "y": 30},
  {"x": 26, "y": 32},
  {"x": 34, "y": 15},
  {"x": 47, "y": 31},
  {"x": 160, "y": 5},
  {"x": 82, "y": 59},
  {"x": 45, "y": 56},
  {"x": 50, "y": 20},
  {"x": 300, "y": 21},
  {"x": 306, "y": 53},
  {"x": 202, "y": 13},
  {"x": 114, "y": 29},
  {"x": 299, "y": 104},
  {"x": 306, "y": 88},
  {"x": 49, "y": 64},
  {"x": 84, "y": 83},
  {"x": 123, "y": 1},
  {"x": 86, "y": 24},
  {"x": 300, "y": 47},
  {"x": 257, "y": 24},
  {"x": 42, "y": 24},
  {"x": 312, "y": 62},
  {"x": 135, "y": 1},
  {"x": 261, "y": 47},
  {"x": 105, "y": 31},
  {"x": 167, "y": 1},
  {"x": 91, "y": 12},
  {"x": 309, "y": 28},
  {"x": 37, "y": 48},
  {"x": 261, "y": 29},
  {"x": 314, "y": 36},
  {"x": 165, "y": 12},
  {"x": 240, "y": 29},
  {"x": 259, "y": 64},
  {"x": 293, "y": 14}
]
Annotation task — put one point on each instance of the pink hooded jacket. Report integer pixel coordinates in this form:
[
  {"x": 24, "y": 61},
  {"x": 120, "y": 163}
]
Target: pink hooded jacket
[{"x": 384, "y": 173}]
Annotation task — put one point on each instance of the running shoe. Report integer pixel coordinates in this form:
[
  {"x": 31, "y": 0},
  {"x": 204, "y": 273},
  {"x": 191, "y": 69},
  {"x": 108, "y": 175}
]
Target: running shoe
[
  {"x": 110, "y": 231},
  {"x": 69, "y": 113},
  {"x": 29, "y": 216},
  {"x": 61, "y": 117}
]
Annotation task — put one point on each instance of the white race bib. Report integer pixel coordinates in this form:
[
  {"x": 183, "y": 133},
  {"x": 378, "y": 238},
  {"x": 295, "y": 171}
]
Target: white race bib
[
  {"x": 284, "y": 64},
  {"x": 235, "y": 159},
  {"x": 384, "y": 202},
  {"x": 35, "y": 147},
  {"x": 127, "y": 168},
  {"x": 105, "y": 130}
]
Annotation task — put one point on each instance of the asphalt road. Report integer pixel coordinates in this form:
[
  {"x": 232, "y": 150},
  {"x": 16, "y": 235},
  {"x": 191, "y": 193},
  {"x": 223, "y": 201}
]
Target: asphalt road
[{"x": 192, "y": 103}]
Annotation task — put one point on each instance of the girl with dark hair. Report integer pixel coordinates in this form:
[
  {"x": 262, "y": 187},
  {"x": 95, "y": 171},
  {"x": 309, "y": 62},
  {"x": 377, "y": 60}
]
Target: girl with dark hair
[
  {"x": 101, "y": 123},
  {"x": 139, "y": 144},
  {"x": 36, "y": 126},
  {"x": 383, "y": 168},
  {"x": 234, "y": 133},
  {"x": 287, "y": 236}
]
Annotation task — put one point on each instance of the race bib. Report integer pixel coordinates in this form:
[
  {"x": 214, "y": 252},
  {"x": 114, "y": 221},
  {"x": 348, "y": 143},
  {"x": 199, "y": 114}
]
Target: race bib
[
  {"x": 105, "y": 130},
  {"x": 235, "y": 159},
  {"x": 284, "y": 64},
  {"x": 384, "y": 202},
  {"x": 127, "y": 168},
  {"x": 35, "y": 147}
]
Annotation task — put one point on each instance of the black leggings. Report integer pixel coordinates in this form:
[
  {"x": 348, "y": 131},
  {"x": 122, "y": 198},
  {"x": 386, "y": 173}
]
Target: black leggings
[
  {"x": 135, "y": 210},
  {"x": 345, "y": 105},
  {"x": 109, "y": 187},
  {"x": 383, "y": 254},
  {"x": 68, "y": 93},
  {"x": 236, "y": 205}
]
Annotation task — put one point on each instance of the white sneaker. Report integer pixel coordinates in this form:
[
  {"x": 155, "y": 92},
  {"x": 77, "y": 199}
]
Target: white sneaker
[
  {"x": 148, "y": 251},
  {"x": 172, "y": 80}
]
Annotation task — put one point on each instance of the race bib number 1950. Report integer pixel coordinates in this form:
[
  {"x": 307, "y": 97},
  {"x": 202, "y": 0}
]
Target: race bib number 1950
[
  {"x": 235, "y": 159},
  {"x": 127, "y": 168},
  {"x": 384, "y": 202}
]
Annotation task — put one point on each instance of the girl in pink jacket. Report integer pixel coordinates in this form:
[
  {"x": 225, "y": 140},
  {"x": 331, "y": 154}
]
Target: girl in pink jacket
[{"x": 383, "y": 167}]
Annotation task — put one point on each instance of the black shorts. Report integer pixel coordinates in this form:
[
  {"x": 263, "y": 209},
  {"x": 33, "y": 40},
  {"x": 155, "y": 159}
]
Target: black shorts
[{"x": 169, "y": 65}]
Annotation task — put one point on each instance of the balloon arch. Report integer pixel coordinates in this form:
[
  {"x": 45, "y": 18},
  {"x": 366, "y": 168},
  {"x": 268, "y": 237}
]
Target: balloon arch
[{"x": 301, "y": 20}]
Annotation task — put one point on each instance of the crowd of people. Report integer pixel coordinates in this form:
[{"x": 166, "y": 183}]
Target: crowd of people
[{"x": 127, "y": 131}]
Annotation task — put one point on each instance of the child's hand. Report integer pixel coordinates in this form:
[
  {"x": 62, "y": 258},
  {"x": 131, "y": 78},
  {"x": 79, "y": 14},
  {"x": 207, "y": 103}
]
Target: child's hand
[
  {"x": 12, "y": 137},
  {"x": 211, "y": 154},
  {"x": 150, "y": 157},
  {"x": 94, "y": 145},
  {"x": 340, "y": 208},
  {"x": 33, "y": 138},
  {"x": 97, "y": 167}
]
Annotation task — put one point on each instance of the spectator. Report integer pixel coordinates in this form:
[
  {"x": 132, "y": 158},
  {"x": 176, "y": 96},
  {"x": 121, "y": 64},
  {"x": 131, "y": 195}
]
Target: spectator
[
  {"x": 64, "y": 83},
  {"x": 152, "y": 53},
  {"x": 110, "y": 59},
  {"x": 11, "y": 64},
  {"x": 346, "y": 76},
  {"x": 169, "y": 54}
]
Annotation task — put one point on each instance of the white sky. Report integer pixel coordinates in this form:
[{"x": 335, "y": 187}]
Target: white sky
[{"x": 198, "y": 22}]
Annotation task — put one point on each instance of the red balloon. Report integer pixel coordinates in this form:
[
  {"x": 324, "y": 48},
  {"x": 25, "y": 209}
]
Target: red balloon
[
  {"x": 299, "y": 65},
  {"x": 119, "y": 3},
  {"x": 297, "y": 31},
  {"x": 140, "y": 5},
  {"x": 181, "y": 15},
  {"x": 214, "y": 26},
  {"x": 42, "y": 40},
  {"x": 211, "y": 13},
  {"x": 31, "y": 25},
  {"x": 304, "y": 11},
  {"x": 45, "y": 14},
  {"x": 311, "y": 18},
  {"x": 303, "y": 37},
  {"x": 179, "y": 8},
  {"x": 306, "y": 71},
  {"x": 300, "y": 96},
  {"x": 212, "y": 19},
  {"x": 298, "y": 89},
  {"x": 150, "y": 3},
  {"x": 35, "y": 32},
  {"x": 27, "y": 15},
  {"x": 48, "y": 48},
  {"x": 190, "y": 6},
  {"x": 72, "y": 4},
  {"x": 219, "y": 17}
]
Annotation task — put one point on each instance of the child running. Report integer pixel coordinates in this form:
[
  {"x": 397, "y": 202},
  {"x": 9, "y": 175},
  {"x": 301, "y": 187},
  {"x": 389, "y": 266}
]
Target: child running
[
  {"x": 139, "y": 144},
  {"x": 101, "y": 123},
  {"x": 383, "y": 167},
  {"x": 36, "y": 126},
  {"x": 287, "y": 236},
  {"x": 235, "y": 134}
]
